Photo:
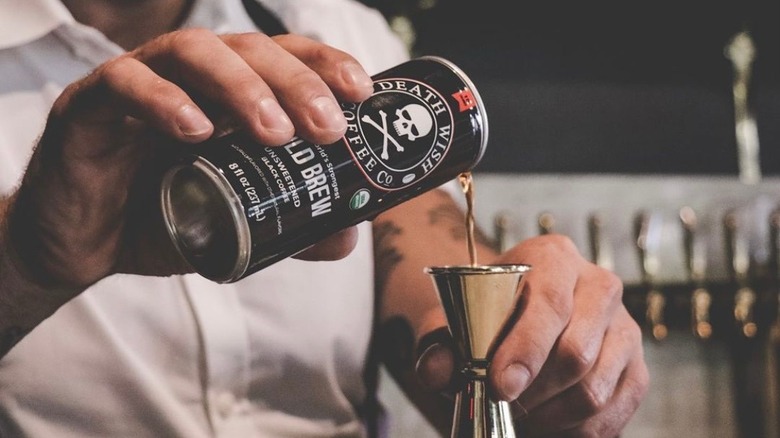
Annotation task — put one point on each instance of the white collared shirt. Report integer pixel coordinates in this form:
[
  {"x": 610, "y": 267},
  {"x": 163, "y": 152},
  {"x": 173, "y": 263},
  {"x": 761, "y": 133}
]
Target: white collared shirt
[{"x": 278, "y": 354}]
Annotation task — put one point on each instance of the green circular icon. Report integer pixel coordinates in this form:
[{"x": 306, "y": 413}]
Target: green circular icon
[{"x": 359, "y": 199}]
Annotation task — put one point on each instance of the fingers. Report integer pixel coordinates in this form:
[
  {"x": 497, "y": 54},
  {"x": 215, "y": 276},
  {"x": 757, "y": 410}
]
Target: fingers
[
  {"x": 436, "y": 360},
  {"x": 340, "y": 71},
  {"x": 204, "y": 63},
  {"x": 597, "y": 295},
  {"x": 128, "y": 87},
  {"x": 545, "y": 308},
  {"x": 611, "y": 420},
  {"x": 601, "y": 402},
  {"x": 305, "y": 83},
  {"x": 274, "y": 90},
  {"x": 274, "y": 86},
  {"x": 334, "y": 247}
]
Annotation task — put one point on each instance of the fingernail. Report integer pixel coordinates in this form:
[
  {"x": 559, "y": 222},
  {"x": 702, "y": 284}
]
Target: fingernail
[
  {"x": 327, "y": 115},
  {"x": 514, "y": 379},
  {"x": 273, "y": 117},
  {"x": 192, "y": 122},
  {"x": 353, "y": 74}
]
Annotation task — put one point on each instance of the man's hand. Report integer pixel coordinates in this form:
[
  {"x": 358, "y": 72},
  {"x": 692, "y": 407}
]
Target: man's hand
[
  {"x": 88, "y": 205},
  {"x": 572, "y": 364}
]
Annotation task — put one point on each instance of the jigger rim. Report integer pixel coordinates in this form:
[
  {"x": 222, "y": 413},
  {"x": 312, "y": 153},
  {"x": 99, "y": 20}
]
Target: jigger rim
[{"x": 478, "y": 269}]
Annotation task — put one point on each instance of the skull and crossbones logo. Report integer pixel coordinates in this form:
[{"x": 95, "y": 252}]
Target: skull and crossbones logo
[{"x": 412, "y": 121}]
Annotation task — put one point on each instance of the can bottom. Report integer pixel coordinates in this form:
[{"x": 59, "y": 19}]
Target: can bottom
[{"x": 202, "y": 222}]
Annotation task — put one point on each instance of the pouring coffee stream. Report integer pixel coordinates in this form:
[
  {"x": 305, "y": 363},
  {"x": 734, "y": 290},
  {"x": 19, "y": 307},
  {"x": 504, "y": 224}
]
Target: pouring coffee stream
[
  {"x": 478, "y": 301},
  {"x": 467, "y": 185}
]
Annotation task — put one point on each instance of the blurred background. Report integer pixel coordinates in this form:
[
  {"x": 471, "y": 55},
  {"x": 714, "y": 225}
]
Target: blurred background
[{"x": 649, "y": 132}]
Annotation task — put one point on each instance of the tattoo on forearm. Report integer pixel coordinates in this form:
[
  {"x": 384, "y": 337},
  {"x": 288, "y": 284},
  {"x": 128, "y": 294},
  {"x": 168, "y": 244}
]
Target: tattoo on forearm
[
  {"x": 449, "y": 215},
  {"x": 386, "y": 255},
  {"x": 10, "y": 337}
]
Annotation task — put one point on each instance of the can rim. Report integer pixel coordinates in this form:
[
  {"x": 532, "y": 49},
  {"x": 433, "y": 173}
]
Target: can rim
[
  {"x": 240, "y": 225},
  {"x": 483, "y": 121}
]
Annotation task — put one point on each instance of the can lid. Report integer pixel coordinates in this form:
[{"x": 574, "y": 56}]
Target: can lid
[
  {"x": 483, "y": 121},
  {"x": 205, "y": 220}
]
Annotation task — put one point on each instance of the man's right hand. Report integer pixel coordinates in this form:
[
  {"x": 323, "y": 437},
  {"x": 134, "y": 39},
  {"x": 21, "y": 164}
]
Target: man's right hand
[{"x": 88, "y": 205}]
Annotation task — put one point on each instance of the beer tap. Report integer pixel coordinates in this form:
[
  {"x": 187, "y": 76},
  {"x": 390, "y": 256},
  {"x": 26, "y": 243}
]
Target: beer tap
[
  {"x": 696, "y": 264},
  {"x": 501, "y": 232},
  {"x": 546, "y": 223},
  {"x": 648, "y": 234},
  {"x": 739, "y": 266},
  {"x": 741, "y": 52},
  {"x": 601, "y": 253}
]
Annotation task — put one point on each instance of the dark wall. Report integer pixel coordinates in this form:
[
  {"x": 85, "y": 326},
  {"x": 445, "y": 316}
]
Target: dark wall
[{"x": 636, "y": 87}]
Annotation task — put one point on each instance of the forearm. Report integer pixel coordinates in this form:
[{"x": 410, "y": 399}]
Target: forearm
[
  {"x": 426, "y": 231},
  {"x": 23, "y": 302},
  {"x": 429, "y": 230}
]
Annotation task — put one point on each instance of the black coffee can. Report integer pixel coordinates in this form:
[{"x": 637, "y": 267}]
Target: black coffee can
[{"x": 233, "y": 206}]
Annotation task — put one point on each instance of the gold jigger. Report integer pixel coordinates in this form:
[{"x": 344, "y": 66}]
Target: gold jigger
[{"x": 478, "y": 302}]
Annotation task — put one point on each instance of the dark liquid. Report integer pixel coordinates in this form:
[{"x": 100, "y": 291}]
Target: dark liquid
[{"x": 467, "y": 184}]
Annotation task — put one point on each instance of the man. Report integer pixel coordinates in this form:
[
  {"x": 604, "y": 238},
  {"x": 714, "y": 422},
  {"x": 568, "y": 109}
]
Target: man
[{"x": 104, "y": 336}]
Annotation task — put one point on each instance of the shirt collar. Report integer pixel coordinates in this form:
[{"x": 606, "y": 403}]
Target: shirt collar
[{"x": 22, "y": 21}]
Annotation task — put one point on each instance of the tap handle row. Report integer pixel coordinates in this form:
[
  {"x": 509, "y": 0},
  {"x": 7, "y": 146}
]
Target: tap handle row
[{"x": 708, "y": 302}]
